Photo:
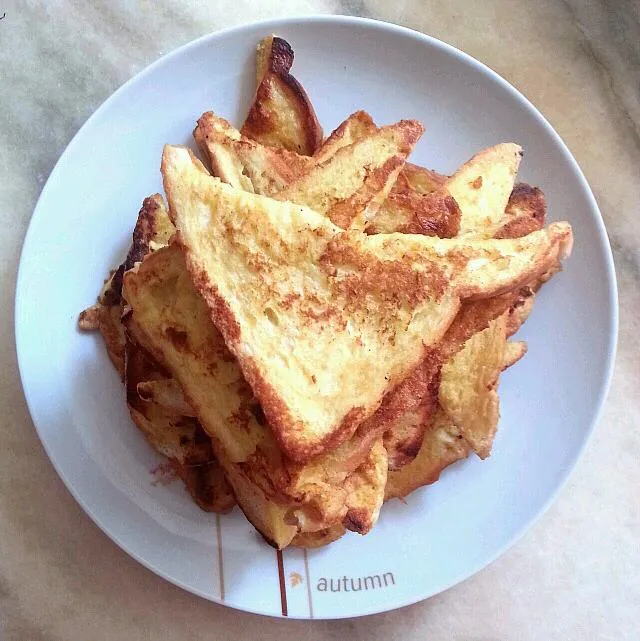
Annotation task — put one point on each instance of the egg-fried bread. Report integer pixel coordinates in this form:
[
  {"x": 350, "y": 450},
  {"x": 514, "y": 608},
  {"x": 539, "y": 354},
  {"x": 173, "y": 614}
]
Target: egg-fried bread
[
  {"x": 468, "y": 382},
  {"x": 175, "y": 435},
  {"x": 444, "y": 442},
  {"x": 360, "y": 125},
  {"x": 281, "y": 114},
  {"x": 245, "y": 163},
  {"x": 482, "y": 187},
  {"x": 152, "y": 229},
  {"x": 411, "y": 405},
  {"x": 350, "y": 185},
  {"x": 170, "y": 319},
  {"x": 283, "y": 284}
]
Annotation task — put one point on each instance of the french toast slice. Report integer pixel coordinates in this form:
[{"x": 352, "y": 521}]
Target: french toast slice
[
  {"x": 357, "y": 126},
  {"x": 174, "y": 434},
  {"x": 281, "y": 114},
  {"x": 482, "y": 187},
  {"x": 152, "y": 229},
  {"x": 418, "y": 397},
  {"x": 281, "y": 498},
  {"x": 445, "y": 441},
  {"x": 360, "y": 125},
  {"x": 157, "y": 408},
  {"x": 243, "y": 162},
  {"x": 282, "y": 283},
  {"x": 468, "y": 383},
  {"x": 350, "y": 185}
]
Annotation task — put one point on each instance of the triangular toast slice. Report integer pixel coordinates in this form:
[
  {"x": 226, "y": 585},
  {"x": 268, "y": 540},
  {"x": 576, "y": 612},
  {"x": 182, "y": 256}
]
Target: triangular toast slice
[
  {"x": 411, "y": 404},
  {"x": 347, "y": 183},
  {"x": 350, "y": 186},
  {"x": 358, "y": 125},
  {"x": 245, "y": 163},
  {"x": 482, "y": 187},
  {"x": 283, "y": 284},
  {"x": 445, "y": 442},
  {"x": 280, "y": 497},
  {"x": 468, "y": 384},
  {"x": 281, "y": 114}
]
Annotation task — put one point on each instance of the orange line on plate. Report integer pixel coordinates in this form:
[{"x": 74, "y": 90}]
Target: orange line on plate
[
  {"x": 220, "y": 556},
  {"x": 283, "y": 585},
  {"x": 308, "y": 580}
]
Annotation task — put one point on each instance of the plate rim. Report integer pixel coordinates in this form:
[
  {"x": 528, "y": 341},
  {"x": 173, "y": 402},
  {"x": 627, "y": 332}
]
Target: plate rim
[{"x": 421, "y": 39}]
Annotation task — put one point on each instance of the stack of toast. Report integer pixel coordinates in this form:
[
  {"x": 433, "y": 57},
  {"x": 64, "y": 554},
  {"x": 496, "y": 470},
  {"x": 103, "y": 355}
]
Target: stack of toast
[{"x": 314, "y": 325}]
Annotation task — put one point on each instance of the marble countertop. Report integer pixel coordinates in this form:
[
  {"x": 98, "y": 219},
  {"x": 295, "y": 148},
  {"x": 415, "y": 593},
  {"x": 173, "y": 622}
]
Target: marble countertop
[{"x": 575, "y": 574}]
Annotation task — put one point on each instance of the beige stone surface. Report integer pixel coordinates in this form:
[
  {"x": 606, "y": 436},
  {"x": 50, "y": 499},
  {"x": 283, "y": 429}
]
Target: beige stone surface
[{"x": 575, "y": 574}]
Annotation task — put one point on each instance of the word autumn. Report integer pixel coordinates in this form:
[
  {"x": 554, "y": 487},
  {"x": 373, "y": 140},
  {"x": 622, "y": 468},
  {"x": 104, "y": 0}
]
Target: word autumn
[{"x": 347, "y": 584}]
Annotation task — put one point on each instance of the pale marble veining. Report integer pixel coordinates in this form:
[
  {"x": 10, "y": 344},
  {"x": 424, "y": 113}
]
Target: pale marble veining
[{"x": 575, "y": 574}]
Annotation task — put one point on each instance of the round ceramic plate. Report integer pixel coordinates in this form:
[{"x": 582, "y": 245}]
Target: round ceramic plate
[{"x": 81, "y": 228}]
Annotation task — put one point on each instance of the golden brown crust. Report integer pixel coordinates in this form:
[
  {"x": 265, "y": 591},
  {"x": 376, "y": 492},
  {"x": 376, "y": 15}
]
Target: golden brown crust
[
  {"x": 282, "y": 114},
  {"x": 106, "y": 319},
  {"x": 443, "y": 444},
  {"x": 407, "y": 212},
  {"x": 245, "y": 163},
  {"x": 421, "y": 179},
  {"x": 357, "y": 126},
  {"x": 409, "y": 409}
]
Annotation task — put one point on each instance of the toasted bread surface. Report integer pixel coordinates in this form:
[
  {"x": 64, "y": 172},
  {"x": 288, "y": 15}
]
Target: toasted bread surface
[
  {"x": 443, "y": 444},
  {"x": 245, "y": 163},
  {"x": 482, "y": 187},
  {"x": 283, "y": 284},
  {"x": 281, "y": 114},
  {"x": 468, "y": 383},
  {"x": 351, "y": 184},
  {"x": 311, "y": 497}
]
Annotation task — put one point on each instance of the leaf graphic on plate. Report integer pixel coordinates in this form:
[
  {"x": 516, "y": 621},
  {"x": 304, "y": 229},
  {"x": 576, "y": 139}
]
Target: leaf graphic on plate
[{"x": 295, "y": 579}]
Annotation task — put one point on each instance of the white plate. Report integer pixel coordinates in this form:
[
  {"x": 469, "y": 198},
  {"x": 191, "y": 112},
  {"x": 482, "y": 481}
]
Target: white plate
[{"x": 81, "y": 228}]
